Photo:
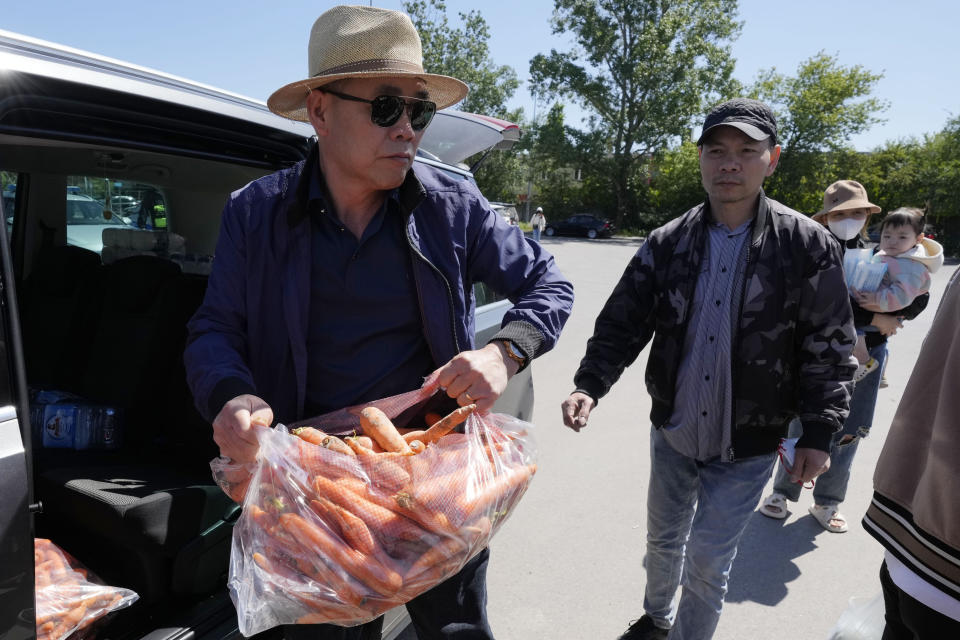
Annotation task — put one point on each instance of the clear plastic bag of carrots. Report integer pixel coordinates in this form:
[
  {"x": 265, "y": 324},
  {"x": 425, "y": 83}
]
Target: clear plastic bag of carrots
[
  {"x": 68, "y": 599},
  {"x": 339, "y": 529}
]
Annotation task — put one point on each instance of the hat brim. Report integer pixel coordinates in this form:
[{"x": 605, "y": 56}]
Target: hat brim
[
  {"x": 755, "y": 133},
  {"x": 290, "y": 101},
  {"x": 846, "y": 206}
]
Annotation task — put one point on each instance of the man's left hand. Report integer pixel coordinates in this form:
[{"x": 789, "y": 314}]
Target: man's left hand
[
  {"x": 475, "y": 377},
  {"x": 808, "y": 464}
]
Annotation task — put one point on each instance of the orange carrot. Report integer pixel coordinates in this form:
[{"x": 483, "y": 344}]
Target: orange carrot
[
  {"x": 310, "y": 434},
  {"x": 403, "y": 503},
  {"x": 366, "y": 442},
  {"x": 336, "y": 444},
  {"x": 439, "y": 559},
  {"x": 368, "y": 570},
  {"x": 335, "y": 490},
  {"x": 511, "y": 481},
  {"x": 378, "y": 426},
  {"x": 388, "y": 524},
  {"x": 416, "y": 434},
  {"x": 385, "y": 472},
  {"x": 447, "y": 424},
  {"x": 441, "y": 493},
  {"x": 263, "y": 518},
  {"x": 359, "y": 447},
  {"x": 306, "y": 571},
  {"x": 355, "y": 531},
  {"x": 376, "y": 509},
  {"x": 449, "y": 548}
]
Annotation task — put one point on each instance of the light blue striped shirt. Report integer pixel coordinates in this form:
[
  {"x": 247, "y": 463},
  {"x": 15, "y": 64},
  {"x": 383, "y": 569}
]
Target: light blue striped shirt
[{"x": 700, "y": 425}]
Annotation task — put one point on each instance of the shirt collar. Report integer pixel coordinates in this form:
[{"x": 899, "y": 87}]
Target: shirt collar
[{"x": 312, "y": 187}]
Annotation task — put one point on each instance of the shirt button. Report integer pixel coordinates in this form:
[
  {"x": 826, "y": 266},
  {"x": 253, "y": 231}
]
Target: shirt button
[
  {"x": 724, "y": 270},
  {"x": 711, "y": 338},
  {"x": 706, "y": 377},
  {"x": 718, "y": 303},
  {"x": 703, "y": 412}
]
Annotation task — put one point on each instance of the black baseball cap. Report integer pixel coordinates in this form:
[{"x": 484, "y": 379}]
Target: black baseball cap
[{"x": 750, "y": 116}]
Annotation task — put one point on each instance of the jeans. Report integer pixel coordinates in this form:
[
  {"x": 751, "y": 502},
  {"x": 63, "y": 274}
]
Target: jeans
[
  {"x": 536, "y": 234},
  {"x": 455, "y": 609},
  {"x": 696, "y": 513},
  {"x": 830, "y": 489}
]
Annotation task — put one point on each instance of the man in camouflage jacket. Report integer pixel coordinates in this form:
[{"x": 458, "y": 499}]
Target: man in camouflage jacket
[{"x": 751, "y": 324}]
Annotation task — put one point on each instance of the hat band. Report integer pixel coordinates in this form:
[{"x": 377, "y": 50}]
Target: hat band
[{"x": 365, "y": 66}]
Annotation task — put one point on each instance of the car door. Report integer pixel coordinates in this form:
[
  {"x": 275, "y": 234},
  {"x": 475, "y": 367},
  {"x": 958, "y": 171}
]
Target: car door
[{"x": 17, "y": 619}]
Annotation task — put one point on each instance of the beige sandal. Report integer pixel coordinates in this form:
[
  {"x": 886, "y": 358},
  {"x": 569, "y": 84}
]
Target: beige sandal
[
  {"x": 775, "y": 506},
  {"x": 829, "y": 518}
]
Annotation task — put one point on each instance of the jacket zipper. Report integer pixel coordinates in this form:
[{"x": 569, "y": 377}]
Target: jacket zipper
[{"x": 453, "y": 320}]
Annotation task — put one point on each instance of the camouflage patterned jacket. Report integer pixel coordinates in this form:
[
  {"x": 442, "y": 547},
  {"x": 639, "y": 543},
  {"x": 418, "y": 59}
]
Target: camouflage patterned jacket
[{"x": 791, "y": 351}]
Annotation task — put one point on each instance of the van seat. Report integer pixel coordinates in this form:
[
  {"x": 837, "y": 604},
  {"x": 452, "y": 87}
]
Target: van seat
[
  {"x": 154, "y": 501},
  {"x": 171, "y": 527},
  {"x": 58, "y": 300},
  {"x": 120, "y": 243}
]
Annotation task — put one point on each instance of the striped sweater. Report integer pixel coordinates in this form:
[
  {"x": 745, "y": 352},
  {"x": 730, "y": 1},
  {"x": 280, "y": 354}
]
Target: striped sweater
[{"x": 915, "y": 511}]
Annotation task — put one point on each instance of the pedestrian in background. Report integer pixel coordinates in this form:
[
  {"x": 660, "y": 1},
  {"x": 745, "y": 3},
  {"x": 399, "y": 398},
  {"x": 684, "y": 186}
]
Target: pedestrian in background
[
  {"x": 915, "y": 512},
  {"x": 846, "y": 210},
  {"x": 538, "y": 221},
  {"x": 746, "y": 304}
]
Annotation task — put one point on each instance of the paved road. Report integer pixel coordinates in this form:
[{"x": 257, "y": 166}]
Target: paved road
[{"x": 568, "y": 564}]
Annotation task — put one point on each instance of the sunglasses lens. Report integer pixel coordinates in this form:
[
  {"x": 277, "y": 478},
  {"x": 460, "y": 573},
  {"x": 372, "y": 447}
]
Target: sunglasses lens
[
  {"x": 386, "y": 110},
  {"x": 421, "y": 113}
]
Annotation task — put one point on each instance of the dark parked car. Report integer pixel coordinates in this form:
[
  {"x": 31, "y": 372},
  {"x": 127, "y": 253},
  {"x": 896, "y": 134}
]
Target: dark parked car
[
  {"x": 104, "y": 319},
  {"x": 581, "y": 224}
]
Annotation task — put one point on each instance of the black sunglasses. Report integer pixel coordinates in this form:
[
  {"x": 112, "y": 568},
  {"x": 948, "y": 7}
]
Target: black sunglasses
[{"x": 386, "y": 110}]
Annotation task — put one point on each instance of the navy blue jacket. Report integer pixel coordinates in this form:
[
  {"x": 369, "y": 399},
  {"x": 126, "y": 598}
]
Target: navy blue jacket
[{"x": 249, "y": 335}]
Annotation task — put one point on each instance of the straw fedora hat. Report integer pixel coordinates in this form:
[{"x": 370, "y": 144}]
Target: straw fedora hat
[
  {"x": 362, "y": 42},
  {"x": 842, "y": 196}
]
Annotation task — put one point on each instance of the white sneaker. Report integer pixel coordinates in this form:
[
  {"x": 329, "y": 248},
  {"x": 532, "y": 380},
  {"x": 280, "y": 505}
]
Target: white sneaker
[{"x": 865, "y": 369}]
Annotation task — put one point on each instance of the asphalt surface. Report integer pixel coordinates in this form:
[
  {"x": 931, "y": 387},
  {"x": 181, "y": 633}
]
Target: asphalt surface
[{"x": 568, "y": 564}]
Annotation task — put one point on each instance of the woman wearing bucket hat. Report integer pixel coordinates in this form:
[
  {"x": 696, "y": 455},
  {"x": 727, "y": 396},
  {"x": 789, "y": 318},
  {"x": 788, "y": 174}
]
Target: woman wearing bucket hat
[
  {"x": 846, "y": 211},
  {"x": 347, "y": 277}
]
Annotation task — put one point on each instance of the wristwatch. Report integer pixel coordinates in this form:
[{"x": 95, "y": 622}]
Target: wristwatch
[{"x": 514, "y": 352}]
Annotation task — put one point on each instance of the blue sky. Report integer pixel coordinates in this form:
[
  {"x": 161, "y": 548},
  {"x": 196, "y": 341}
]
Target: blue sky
[{"x": 252, "y": 48}]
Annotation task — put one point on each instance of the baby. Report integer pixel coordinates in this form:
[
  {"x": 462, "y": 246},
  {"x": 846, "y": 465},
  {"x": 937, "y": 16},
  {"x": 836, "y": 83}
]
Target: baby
[{"x": 910, "y": 259}]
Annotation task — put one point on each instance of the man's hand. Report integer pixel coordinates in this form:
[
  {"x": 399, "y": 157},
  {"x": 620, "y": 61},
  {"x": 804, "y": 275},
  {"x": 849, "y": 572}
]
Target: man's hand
[
  {"x": 887, "y": 324},
  {"x": 233, "y": 427},
  {"x": 808, "y": 464},
  {"x": 475, "y": 377},
  {"x": 576, "y": 409}
]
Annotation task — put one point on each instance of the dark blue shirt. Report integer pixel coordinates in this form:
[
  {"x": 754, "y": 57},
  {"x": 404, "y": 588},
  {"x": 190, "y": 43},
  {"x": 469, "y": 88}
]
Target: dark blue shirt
[{"x": 365, "y": 338}]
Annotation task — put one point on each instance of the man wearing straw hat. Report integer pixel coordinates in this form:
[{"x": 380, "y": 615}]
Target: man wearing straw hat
[{"x": 348, "y": 277}]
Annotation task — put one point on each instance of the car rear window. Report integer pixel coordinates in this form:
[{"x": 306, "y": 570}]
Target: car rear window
[{"x": 95, "y": 204}]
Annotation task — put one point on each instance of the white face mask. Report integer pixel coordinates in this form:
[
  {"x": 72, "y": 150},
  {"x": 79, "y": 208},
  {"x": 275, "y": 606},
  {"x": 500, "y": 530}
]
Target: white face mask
[{"x": 846, "y": 229}]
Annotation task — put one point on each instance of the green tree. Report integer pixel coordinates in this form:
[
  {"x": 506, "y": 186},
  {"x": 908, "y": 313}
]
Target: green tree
[
  {"x": 818, "y": 111},
  {"x": 555, "y": 164},
  {"x": 644, "y": 69},
  {"x": 463, "y": 53},
  {"x": 674, "y": 184}
]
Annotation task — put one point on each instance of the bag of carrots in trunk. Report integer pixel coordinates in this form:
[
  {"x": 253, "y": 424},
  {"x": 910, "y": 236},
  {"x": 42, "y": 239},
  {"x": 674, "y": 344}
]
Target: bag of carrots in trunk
[
  {"x": 340, "y": 528},
  {"x": 68, "y": 599}
]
